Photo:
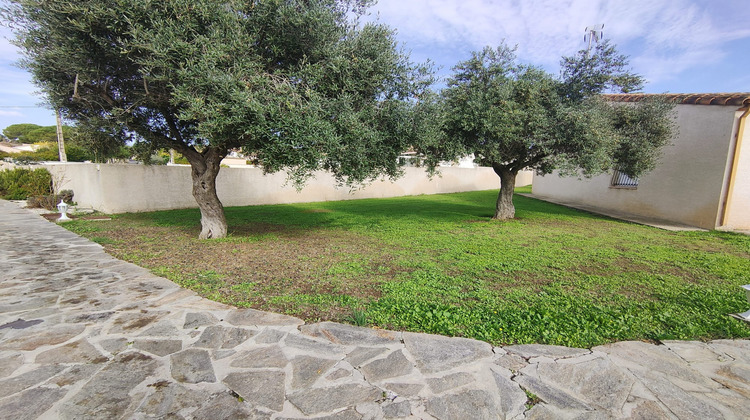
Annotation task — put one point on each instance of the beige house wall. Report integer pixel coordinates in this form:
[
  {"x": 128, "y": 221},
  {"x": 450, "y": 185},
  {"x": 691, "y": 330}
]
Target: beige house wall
[
  {"x": 686, "y": 186},
  {"x": 113, "y": 188},
  {"x": 738, "y": 207}
]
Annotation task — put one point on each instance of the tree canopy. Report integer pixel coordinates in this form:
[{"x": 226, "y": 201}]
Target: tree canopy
[
  {"x": 299, "y": 85},
  {"x": 514, "y": 117}
]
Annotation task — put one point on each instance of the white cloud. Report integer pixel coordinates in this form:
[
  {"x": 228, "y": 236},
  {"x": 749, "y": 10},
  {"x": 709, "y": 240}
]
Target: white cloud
[
  {"x": 10, "y": 113},
  {"x": 663, "y": 37}
]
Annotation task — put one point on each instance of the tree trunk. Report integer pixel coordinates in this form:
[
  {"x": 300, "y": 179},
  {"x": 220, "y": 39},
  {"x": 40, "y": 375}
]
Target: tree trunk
[
  {"x": 504, "y": 209},
  {"x": 60, "y": 140},
  {"x": 205, "y": 167}
]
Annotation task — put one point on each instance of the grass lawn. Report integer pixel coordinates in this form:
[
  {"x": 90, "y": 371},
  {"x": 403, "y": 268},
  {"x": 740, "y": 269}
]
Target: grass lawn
[{"x": 438, "y": 264}]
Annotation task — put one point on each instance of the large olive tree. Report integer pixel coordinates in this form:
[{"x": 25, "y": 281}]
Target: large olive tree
[
  {"x": 514, "y": 117},
  {"x": 299, "y": 85}
]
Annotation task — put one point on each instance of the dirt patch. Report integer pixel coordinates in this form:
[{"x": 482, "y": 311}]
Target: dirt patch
[{"x": 266, "y": 266}]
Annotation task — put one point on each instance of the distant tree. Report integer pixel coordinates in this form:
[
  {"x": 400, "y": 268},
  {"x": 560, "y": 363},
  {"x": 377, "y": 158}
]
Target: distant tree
[
  {"x": 514, "y": 117},
  {"x": 48, "y": 134},
  {"x": 18, "y": 131},
  {"x": 297, "y": 84}
]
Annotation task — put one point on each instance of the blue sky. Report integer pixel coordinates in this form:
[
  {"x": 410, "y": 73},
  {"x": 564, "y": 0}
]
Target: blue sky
[{"x": 680, "y": 46}]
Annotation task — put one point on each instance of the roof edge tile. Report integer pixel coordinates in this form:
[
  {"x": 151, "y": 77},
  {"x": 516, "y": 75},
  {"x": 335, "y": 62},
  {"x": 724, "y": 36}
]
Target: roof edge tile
[{"x": 731, "y": 99}]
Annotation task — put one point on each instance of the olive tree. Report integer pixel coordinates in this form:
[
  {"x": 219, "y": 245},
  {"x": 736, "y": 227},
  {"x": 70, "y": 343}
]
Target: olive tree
[
  {"x": 514, "y": 117},
  {"x": 298, "y": 85}
]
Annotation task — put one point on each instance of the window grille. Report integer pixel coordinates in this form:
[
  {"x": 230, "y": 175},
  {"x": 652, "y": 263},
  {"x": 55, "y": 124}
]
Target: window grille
[{"x": 622, "y": 180}]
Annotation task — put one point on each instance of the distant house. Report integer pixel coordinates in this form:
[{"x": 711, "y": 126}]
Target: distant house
[{"x": 702, "y": 180}]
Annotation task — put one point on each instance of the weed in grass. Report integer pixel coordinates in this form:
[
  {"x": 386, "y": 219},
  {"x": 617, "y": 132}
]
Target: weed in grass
[
  {"x": 531, "y": 399},
  {"x": 103, "y": 240},
  {"x": 82, "y": 227},
  {"x": 358, "y": 317}
]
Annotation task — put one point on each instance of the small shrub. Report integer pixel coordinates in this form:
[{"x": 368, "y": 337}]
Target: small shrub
[
  {"x": 20, "y": 183},
  {"x": 50, "y": 201}
]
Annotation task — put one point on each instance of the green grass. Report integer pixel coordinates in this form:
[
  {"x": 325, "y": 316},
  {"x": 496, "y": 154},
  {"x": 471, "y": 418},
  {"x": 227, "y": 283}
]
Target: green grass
[{"x": 438, "y": 264}]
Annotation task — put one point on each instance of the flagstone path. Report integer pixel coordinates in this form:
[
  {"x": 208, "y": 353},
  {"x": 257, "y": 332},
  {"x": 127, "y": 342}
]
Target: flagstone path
[{"x": 86, "y": 336}]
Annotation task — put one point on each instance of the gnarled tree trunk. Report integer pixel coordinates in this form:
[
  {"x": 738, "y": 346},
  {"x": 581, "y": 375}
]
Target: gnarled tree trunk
[
  {"x": 504, "y": 209},
  {"x": 205, "y": 167}
]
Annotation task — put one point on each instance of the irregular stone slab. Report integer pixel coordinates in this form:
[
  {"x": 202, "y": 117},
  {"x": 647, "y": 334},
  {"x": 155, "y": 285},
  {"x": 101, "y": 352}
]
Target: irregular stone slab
[
  {"x": 74, "y": 375},
  {"x": 216, "y": 336},
  {"x": 348, "y": 414},
  {"x": 397, "y": 409},
  {"x": 448, "y": 382},
  {"x": 692, "y": 351},
  {"x": 736, "y": 349},
  {"x": 403, "y": 389},
  {"x": 269, "y": 336},
  {"x": 471, "y": 404},
  {"x": 731, "y": 404},
  {"x": 199, "y": 319},
  {"x": 351, "y": 335},
  {"x": 636, "y": 355},
  {"x": 21, "y": 324},
  {"x": 9, "y": 364},
  {"x": 222, "y": 354},
  {"x": 315, "y": 346},
  {"x": 192, "y": 366},
  {"x": 106, "y": 395},
  {"x": 31, "y": 403},
  {"x": 158, "y": 347},
  {"x": 264, "y": 389},
  {"x": 597, "y": 382},
  {"x": 226, "y": 407},
  {"x": 266, "y": 357},
  {"x": 80, "y": 351},
  {"x": 362, "y": 354},
  {"x": 161, "y": 329},
  {"x": 114, "y": 345},
  {"x": 252, "y": 317},
  {"x": 28, "y": 379},
  {"x": 551, "y": 395},
  {"x": 436, "y": 353},
  {"x": 512, "y": 399},
  {"x": 512, "y": 362},
  {"x": 306, "y": 370},
  {"x": 554, "y": 352},
  {"x": 47, "y": 337},
  {"x": 320, "y": 400},
  {"x": 338, "y": 374},
  {"x": 542, "y": 411},
  {"x": 684, "y": 405},
  {"x": 647, "y": 410},
  {"x": 396, "y": 364},
  {"x": 91, "y": 318},
  {"x": 738, "y": 372},
  {"x": 169, "y": 398},
  {"x": 130, "y": 322},
  {"x": 28, "y": 304}
]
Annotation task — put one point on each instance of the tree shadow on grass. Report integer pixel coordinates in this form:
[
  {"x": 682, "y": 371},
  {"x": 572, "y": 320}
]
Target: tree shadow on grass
[{"x": 347, "y": 214}]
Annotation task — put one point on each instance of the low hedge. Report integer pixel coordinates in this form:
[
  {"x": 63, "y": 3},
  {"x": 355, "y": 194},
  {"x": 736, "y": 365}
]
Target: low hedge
[{"x": 21, "y": 183}]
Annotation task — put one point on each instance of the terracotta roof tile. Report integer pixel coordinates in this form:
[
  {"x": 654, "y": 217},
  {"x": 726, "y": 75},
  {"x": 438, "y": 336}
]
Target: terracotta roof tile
[{"x": 735, "y": 99}]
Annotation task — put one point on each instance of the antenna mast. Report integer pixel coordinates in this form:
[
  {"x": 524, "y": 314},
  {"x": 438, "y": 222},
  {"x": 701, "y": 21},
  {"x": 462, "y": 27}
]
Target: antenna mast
[{"x": 593, "y": 33}]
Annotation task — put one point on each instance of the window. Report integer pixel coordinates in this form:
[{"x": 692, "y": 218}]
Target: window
[{"x": 621, "y": 180}]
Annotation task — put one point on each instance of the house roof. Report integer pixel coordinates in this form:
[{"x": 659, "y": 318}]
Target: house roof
[{"x": 736, "y": 99}]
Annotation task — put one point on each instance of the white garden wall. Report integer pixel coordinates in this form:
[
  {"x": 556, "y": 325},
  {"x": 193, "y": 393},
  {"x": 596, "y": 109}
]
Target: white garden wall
[{"x": 121, "y": 188}]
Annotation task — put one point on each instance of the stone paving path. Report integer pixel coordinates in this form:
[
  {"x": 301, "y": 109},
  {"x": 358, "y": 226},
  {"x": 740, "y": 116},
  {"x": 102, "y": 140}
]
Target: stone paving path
[{"x": 86, "y": 336}]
